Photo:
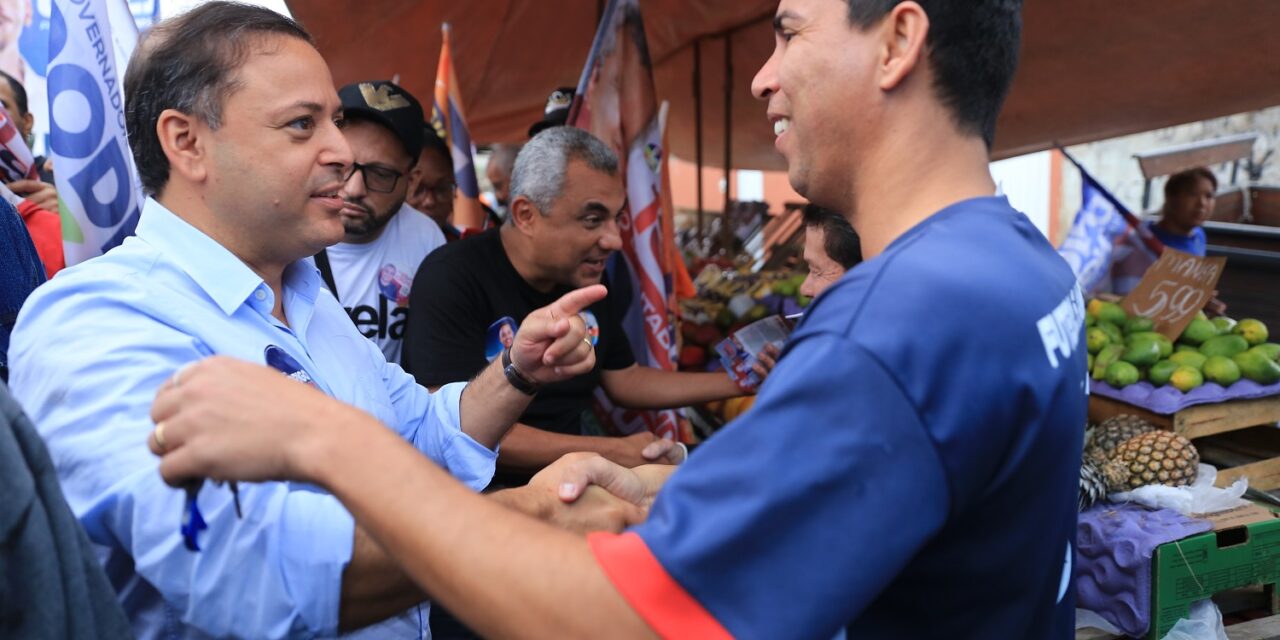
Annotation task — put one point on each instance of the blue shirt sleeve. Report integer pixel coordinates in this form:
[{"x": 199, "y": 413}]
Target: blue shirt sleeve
[
  {"x": 798, "y": 514},
  {"x": 432, "y": 423},
  {"x": 87, "y": 372}
]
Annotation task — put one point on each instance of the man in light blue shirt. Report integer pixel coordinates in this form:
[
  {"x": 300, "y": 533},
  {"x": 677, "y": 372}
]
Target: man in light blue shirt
[{"x": 234, "y": 125}]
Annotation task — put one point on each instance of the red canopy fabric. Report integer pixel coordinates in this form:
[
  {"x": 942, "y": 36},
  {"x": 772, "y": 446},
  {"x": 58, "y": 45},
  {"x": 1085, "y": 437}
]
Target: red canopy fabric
[{"x": 1090, "y": 69}]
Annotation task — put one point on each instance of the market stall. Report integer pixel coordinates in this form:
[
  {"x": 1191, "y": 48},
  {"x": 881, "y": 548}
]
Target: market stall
[{"x": 1168, "y": 393}]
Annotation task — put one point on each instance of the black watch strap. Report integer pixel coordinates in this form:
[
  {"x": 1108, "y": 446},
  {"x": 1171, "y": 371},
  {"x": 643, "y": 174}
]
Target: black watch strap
[{"x": 517, "y": 379}]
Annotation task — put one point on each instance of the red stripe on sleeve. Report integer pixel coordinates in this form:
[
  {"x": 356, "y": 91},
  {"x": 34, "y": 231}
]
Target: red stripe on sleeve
[{"x": 655, "y": 595}]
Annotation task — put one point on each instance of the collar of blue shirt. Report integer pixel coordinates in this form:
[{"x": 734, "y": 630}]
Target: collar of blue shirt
[{"x": 213, "y": 267}]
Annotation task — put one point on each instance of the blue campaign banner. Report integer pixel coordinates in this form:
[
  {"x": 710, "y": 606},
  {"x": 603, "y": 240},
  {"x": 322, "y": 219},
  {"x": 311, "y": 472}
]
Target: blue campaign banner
[
  {"x": 97, "y": 183},
  {"x": 1090, "y": 243}
]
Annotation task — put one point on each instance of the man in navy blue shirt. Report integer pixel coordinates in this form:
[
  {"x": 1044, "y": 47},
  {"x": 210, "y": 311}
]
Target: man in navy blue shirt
[{"x": 910, "y": 467}]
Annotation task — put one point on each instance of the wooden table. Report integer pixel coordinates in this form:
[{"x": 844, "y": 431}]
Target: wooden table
[{"x": 1205, "y": 420}]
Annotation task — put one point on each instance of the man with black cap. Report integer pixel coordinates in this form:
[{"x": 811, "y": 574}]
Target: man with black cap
[
  {"x": 371, "y": 270},
  {"x": 556, "y": 111}
]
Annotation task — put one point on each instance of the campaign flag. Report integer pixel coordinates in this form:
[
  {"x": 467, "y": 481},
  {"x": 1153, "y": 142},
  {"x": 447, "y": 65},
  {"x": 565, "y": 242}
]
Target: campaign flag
[
  {"x": 450, "y": 122},
  {"x": 101, "y": 196},
  {"x": 1102, "y": 227},
  {"x": 16, "y": 160},
  {"x": 1090, "y": 243},
  {"x": 615, "y": 101}
]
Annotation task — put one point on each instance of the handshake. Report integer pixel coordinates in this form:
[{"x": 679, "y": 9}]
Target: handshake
[{"x": 229, "y": 420}]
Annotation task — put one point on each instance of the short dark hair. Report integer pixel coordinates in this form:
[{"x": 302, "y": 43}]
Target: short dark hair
[
  {"x": 1184, "y": 181},
  {"x": 435, "y": 142},
  {"x": 19, "y": 94},
  {"x": 973, "y": 51},
  {"x": 189, "y": 63},
  {"x": 841, "y": 241}
]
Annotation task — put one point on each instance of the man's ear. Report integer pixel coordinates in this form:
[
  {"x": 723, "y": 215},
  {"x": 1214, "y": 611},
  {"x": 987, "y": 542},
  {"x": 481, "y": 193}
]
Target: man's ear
[
  {"x": 524, "y": 213},
  {"x": 182, "y": 139},
  {"x": 905, "y": 31}
]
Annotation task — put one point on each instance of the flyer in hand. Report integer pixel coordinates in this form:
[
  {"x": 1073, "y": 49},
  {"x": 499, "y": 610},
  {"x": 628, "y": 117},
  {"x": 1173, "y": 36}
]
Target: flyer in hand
[{"x": 741, "y": 350}]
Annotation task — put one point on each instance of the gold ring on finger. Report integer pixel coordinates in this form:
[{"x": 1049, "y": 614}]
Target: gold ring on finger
[{"x": 158, "y": 434}]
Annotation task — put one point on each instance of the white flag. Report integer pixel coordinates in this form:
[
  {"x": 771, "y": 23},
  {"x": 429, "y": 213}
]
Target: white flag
[{"x": 101, "y": 196}]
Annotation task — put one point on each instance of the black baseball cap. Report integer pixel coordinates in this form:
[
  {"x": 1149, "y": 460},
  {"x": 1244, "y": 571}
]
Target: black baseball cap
[
  {"x": 556, "y": 112},
  {"x": 387, "y": 104}
]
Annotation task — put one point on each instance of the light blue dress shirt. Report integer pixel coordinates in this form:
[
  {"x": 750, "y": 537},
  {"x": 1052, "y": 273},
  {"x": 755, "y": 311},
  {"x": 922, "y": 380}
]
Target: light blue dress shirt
[{"x": 88, "y": 353}]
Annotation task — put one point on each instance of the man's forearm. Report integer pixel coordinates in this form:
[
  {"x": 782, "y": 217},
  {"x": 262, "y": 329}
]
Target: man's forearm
[
  {"x": 374, "y": 587},
  {"x": 490, "y": 405},
  {"x": 501, "y": 572},
  {"x": 641, "y": 387},
  {"x": 530, "y": 449}
]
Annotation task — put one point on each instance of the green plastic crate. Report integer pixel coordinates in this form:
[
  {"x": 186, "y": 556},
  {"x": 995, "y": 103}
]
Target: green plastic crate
[{"x": 1198, "y": 567}]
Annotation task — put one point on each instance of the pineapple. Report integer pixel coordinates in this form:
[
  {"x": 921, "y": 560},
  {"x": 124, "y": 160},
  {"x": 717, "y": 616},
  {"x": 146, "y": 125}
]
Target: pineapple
[
  {"x": 1114, "y": 431},
  {"x": 1157, "y": 457},
  {"x": 1153, "y": 457},
  {"x": 1099, "y": 478},
  {"x": 1093, "y": 487}
]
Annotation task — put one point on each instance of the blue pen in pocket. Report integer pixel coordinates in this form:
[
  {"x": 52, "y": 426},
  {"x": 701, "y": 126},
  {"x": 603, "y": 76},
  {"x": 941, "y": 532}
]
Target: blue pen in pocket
[{"x": 192, "y": 521}]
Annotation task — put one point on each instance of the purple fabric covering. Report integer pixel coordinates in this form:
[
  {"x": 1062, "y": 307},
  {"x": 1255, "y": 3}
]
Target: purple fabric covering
[
  {"x": 1114, "y": 545},
  {"x": 1166, "y": 400}
]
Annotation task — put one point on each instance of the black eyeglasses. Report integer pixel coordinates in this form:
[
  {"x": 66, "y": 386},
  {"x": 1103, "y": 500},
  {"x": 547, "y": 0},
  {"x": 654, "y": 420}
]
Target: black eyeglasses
[
  {"x": 440, "y": 191},
  {"x": 377, "y": 179}
]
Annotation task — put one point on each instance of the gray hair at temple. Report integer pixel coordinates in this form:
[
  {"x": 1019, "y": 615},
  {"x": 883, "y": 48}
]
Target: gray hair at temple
[
  {"x": 504, "y": 157},
  {"x": 540, "y": 168}
]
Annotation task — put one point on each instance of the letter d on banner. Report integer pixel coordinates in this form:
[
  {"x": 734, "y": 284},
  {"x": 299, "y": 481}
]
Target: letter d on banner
[{"x": 99, "y": 189}]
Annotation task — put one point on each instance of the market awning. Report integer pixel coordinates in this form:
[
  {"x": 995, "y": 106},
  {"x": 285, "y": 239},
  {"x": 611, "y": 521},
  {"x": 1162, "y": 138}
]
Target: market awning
[{"x": 1091, "y": 69}]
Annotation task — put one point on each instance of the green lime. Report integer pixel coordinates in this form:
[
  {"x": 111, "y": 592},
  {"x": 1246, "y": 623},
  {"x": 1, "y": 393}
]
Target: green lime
[
  {"x": 1198, "y": 331},
  {"x": 1096, "y": 339},
  {"x": 1185, "y": 379},
  {"x": 1256, "y": 367},
  {"x": 1193, "y": 359},
  {"x": 1222, "y": 370},
  {"x": 1138, "y": 324},
  {"x": 1111, "y": 312},
  {"x": 1121, "y": 374},
  {"x": 1269, "y": 350},
  {"x": 1142, "y": 352},
  {"x": 1253, "y": 331},
  {"x": 1224, "y": 346},
  {"x": 1161, "y": 371}
]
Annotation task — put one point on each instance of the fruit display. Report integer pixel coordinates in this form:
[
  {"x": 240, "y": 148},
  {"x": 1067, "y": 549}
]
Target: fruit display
[
  {"x": 728, "y": 410},
  {"x": 1124, "y": 350},
  {"x": 1126, "y": 452},
  {"x": 728, "y": 299},
  {"x": 1115, "y": 431}
]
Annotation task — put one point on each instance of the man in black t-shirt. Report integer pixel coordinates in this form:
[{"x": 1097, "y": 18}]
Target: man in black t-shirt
[{"x": 566, "y": 193}]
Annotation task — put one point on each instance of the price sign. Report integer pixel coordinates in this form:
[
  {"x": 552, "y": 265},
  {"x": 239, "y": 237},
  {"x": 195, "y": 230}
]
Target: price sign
[{"x": 1174, "y": 289}]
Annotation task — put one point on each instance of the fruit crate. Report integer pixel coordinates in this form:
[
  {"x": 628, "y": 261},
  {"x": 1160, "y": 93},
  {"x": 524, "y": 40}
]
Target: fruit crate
[
  {"x": 1211, "y": 420},
  {"x": 1206, "y": 564}
]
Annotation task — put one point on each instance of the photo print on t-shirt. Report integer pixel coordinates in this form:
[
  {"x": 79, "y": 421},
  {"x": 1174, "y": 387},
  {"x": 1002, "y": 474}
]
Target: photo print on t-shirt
[
  {"x": 501, "y": 334},
  {"x": 394, "y": 285},
  {"x": 593, "y": 326}
]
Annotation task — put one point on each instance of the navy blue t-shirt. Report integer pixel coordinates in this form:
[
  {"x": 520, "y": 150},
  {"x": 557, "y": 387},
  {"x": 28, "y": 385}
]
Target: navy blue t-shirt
[{"x": 910, "y": 468}]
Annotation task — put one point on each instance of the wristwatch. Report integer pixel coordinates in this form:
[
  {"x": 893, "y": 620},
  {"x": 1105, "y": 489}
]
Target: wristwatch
[{"x": 517, "y": 379}]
